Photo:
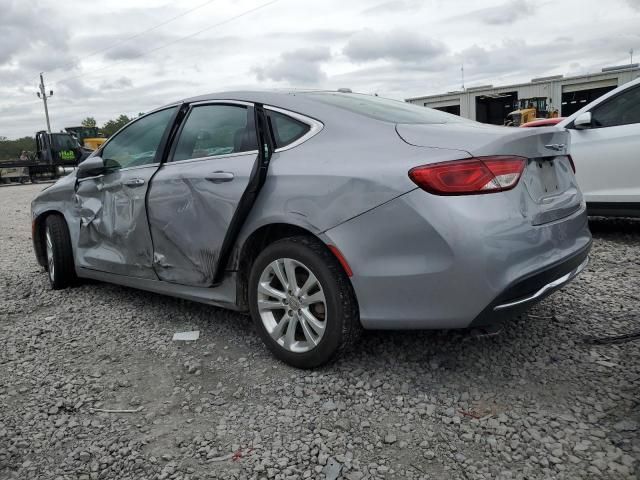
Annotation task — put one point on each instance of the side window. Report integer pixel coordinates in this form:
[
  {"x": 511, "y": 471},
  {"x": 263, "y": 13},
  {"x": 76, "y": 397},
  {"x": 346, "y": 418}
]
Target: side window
[
  {"x": 286, "y": 130},
  {"x": 623, "y": 109},
  {"x": 138, "y": 143},
  {"x": 212, "y": 130}
]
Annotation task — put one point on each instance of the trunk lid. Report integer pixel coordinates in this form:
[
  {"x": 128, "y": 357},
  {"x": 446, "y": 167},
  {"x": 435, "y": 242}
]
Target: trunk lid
[{"x": 548, "y": 180}]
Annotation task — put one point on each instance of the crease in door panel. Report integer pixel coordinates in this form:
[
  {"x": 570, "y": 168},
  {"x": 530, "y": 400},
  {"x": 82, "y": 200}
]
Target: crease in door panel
[
  {"x": 180, "y": 213},
  {"x": 111, "y": 224}
]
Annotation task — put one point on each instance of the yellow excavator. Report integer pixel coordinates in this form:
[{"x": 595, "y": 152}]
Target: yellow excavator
[{"x": 88, "y": 137}]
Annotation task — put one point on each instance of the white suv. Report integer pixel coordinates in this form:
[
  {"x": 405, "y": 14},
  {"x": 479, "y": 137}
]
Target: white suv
[{"x": 605, "y": 147}]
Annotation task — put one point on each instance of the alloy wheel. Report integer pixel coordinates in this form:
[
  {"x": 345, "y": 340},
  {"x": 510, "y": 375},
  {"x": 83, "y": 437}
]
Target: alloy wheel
[
  {"x": 50, "y": 261},
  {"x": 292, "y": 305}
]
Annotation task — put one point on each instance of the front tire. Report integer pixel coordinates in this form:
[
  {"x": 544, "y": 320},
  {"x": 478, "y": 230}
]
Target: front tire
[
  {"x": 60, "y": 266},
  {"x": 302, "y": 302}
]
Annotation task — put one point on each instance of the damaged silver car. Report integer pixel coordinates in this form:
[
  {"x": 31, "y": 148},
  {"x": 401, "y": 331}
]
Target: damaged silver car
[{"x": 321, "y": 213}]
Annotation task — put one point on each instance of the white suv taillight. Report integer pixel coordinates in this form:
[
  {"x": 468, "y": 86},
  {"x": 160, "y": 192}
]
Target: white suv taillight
[{"x": 471, "y": 176}]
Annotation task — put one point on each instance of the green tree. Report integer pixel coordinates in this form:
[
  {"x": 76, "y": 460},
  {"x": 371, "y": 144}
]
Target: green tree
[
  {"x": 112, "y": 126},
  {"x": 10, "y": 149},
  {"x": 88, "y": 122}
]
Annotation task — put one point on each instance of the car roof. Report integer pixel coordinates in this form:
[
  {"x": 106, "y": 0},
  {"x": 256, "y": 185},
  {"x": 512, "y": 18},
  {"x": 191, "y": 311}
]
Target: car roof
[
  {"x": 599, "y": 100},
  {"x": 293, "y": 100},
  {"x": 261, "y": 96}
]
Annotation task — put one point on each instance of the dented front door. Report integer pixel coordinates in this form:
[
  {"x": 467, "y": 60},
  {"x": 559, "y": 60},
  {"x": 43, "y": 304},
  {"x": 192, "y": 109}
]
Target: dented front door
[
  {"x": 193, "y": 197},
  {"x": 114, "y": 232}
]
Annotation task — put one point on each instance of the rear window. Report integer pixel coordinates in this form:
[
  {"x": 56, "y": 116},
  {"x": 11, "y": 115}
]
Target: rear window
[
  {"x": 385, "y": 109},
  {"x": 286, "y": 130}
]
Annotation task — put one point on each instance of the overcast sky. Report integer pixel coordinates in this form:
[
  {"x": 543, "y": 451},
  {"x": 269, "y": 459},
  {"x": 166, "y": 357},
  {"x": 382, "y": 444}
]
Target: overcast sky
[{"x": 104, "y": 58}]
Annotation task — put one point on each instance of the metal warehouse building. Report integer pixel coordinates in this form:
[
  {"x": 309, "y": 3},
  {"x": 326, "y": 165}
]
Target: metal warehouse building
[{"x": 565, "y": 95}]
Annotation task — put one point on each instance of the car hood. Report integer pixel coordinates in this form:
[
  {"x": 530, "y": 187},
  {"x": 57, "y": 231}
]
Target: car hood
[{"x": 482, "y": 139}]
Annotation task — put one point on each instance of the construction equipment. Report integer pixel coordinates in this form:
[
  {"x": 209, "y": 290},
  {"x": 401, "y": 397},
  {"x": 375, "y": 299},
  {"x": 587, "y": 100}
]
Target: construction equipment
[
  {"x": 56, "y": 155},
  {"x": 88, "y": 137},
  {"x": 530, "y": 109}
]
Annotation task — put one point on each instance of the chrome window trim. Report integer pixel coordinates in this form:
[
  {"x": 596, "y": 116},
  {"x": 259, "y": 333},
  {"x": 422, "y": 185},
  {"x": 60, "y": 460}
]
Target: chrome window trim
[
  {"x": 211, "y": 157},
  {"x": 315, "y": 126},
  {"x": 217, "y": 101}
]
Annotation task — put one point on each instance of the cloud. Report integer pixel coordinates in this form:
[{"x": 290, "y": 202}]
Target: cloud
[
  {"x": 300, "y": 66},
  {"x": 507, "y": 13},
  {"x": 396, "y": 45},
  {"x": 119, "y": 84},
  {"x": 394, "y": 6},
  {"x": 75, "y": 89},
  {"x": 12, "y": 42},
  {"x": 315, "y": 36},
  {"x": 307, "y": 44},
  {"x": 30, "y": 33},
  {"x": 635, "y": 4},
  {"x": 125, "y": 51}
]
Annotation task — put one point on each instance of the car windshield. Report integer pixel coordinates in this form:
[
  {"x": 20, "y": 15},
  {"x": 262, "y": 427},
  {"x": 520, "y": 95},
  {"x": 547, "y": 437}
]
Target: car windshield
[{"x": 385, "y": 109}]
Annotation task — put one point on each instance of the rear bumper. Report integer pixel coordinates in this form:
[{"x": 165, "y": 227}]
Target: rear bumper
[
  {"x": 531, "y": 289},
  {"x": 429, "y": 262}
]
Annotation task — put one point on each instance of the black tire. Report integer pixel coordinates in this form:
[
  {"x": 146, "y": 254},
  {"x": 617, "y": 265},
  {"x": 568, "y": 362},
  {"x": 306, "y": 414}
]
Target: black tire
[
  {"x": 342, "y": 322},
  {"x": 59, "y": 253}
]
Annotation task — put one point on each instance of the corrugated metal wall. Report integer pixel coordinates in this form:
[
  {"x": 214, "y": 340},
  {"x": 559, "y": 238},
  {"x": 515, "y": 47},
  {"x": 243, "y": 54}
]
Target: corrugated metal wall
[{"x": 551, "y": 89}]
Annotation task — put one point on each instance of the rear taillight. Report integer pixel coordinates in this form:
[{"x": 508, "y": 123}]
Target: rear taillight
[{"x": 470, "y": 176}]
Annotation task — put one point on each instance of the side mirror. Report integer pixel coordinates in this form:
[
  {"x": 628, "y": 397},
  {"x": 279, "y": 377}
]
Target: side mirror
[
  {"x": 91, "y": 167},
  {"x": 582, "y": 121}
]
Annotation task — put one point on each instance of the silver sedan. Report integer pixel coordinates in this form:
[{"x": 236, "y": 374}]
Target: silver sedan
[{"x": 321, "y": 213}]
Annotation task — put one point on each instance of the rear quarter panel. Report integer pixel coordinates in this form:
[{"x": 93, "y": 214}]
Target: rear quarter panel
[{"x": 350, "y": 167}]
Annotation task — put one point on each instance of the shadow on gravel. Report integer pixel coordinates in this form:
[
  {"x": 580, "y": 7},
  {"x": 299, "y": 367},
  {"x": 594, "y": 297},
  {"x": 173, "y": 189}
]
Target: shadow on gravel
[
  {"x": 448, "y": 350},
  {"x": 453, "y": 350}
]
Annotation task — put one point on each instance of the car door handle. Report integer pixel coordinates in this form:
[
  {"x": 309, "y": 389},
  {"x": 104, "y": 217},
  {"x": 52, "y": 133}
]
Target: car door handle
[
  {"x": 134, "y": 182},
  {"x": 220, "y": 177}
]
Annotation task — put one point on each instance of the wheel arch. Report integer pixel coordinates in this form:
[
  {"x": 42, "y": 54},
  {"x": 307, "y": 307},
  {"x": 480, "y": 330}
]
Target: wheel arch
[
  {"x": 257, "y": 241},
  {"x": 38, "y": 232}
]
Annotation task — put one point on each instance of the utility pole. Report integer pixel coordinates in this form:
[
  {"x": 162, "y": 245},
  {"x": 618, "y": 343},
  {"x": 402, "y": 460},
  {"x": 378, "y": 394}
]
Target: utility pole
[
  {"x": 43, "y": 95},
  {"x": 462, "y": 73},
  {"x": 631, "y": 55}
]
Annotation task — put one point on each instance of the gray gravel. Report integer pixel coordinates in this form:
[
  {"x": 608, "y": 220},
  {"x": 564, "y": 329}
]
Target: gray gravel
[{"x": 535, "y": 402}]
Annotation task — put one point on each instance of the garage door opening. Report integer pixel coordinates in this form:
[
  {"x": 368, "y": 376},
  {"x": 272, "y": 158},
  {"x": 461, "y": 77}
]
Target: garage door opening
[
  {"x": 574, "y": 101},
  {"x": 454, "y": 109},
  {"x": 494, "y": 108}
]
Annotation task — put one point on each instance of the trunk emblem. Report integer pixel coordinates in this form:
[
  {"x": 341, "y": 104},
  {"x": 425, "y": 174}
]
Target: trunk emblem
[{"x": 555, "y": 146}]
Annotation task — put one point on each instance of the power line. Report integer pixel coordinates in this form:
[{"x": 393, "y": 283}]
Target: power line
[
  {"x": 172, "y": 42},
  {"x": 154, "y": 27},
  {"x": 20, "y": 104}
]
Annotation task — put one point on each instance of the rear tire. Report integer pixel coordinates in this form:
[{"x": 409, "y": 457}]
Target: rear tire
[
  {"x": 60, "y": 266},
  {"x": 312, "y": 320}
]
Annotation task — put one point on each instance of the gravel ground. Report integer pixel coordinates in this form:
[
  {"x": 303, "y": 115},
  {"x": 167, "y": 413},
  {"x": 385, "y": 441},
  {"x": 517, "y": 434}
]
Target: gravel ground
[{"x": 536, "y": 401}]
